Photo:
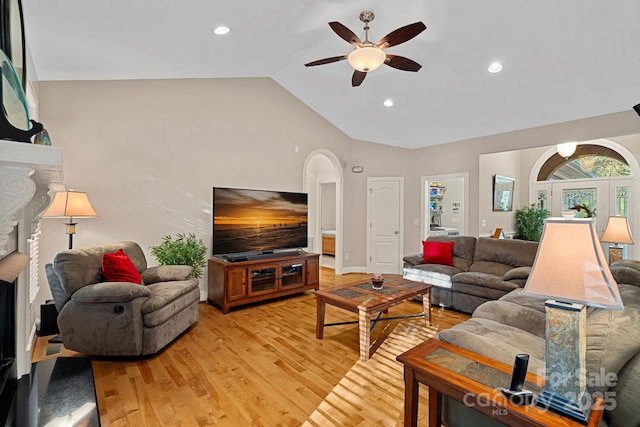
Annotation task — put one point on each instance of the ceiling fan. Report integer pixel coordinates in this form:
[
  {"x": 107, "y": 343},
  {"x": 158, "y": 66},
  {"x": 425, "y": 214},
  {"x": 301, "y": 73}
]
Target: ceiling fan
[{"x": 367, "y": 56}]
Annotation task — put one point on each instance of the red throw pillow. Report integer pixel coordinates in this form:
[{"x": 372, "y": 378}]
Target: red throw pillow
[
  {"x": 437, "y": 252},
  {"x": 117, "y": 267}
]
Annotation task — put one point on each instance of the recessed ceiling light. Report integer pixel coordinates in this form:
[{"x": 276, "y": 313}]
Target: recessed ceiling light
[
  {"x": 221, "y": 30},
  {"x": 495, "y": 67},
  {"x": 388, "y": 103}
]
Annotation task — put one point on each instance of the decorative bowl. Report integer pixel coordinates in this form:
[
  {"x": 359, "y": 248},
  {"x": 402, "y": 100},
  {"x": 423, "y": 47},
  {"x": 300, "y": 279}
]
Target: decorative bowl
[{"x": 377, "y": 283}]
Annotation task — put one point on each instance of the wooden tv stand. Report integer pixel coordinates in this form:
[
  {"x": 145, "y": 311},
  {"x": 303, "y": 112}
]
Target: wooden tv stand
[{"x": 232, "y": 284}]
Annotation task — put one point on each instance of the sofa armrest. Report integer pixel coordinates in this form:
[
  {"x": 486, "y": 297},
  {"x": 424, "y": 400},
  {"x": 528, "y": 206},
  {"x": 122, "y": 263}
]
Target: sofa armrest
[
  {"x": 518, "y": 316},
  {"x": 517, "y": 273},
  {"x": 166, "y": 273},
  {"x": 415, "y": 259},
  {"x": 626, "y": 271},
  {"x": 110, "y": 292}
]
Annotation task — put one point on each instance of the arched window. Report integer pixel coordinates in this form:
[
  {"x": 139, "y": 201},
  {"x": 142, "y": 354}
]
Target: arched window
[{"x": 588, "y": 161}]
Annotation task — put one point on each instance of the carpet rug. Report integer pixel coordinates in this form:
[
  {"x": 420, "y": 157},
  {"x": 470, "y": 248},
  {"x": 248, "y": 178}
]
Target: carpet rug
[{"x": 372, "y": 392}]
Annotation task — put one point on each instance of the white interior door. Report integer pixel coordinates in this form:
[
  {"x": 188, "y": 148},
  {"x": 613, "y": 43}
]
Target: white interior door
[{"x": 385, "y": 214}]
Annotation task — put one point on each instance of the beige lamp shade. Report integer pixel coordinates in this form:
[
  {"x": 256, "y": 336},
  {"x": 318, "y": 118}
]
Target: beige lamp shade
[
  {"x": 70, "y": 204},
  {"x": 571, "y": 267},
  {"x": 617, "y": 231}
]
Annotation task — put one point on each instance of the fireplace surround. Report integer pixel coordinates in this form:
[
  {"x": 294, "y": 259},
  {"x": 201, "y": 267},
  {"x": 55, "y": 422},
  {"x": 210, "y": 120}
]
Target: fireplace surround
[{"x": 29, "y": 175}]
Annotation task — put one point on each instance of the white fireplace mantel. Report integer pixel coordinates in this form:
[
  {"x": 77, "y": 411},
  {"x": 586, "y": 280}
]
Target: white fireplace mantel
[{"x": 29, "y": 175}]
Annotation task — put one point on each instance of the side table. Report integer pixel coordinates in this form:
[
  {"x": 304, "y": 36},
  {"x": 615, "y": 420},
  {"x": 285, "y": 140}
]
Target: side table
[{"x": 474, "y": 380}]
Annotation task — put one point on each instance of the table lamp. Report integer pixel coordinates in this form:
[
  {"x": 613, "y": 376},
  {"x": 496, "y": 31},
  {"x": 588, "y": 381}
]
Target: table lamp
[
  {"x": 617, "y": 232},
  {"x": 570, "y": 269},
  {"x": 70, "y": 204}
]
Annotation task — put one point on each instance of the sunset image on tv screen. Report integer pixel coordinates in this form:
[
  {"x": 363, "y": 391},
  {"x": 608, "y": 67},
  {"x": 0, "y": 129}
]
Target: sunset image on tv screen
[{"x": 258, "y": 220}]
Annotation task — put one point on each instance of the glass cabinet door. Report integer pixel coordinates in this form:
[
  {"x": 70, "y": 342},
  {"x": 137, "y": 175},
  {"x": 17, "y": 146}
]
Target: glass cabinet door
[
  {"x": 292, "y": 275},
  {"x": 262, "y": 280}
]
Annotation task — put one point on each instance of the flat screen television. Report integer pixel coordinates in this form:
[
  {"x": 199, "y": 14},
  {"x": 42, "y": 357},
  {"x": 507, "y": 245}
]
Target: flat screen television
[{"x": 258, "y": 221}]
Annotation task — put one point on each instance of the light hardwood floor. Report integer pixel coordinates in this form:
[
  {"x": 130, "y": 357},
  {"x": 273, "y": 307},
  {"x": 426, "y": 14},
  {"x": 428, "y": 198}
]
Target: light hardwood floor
[{"x": 256, "y": 366}]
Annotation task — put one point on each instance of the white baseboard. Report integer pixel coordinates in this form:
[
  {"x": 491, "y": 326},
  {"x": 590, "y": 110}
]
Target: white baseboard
[{"x": 346, "y": 270}]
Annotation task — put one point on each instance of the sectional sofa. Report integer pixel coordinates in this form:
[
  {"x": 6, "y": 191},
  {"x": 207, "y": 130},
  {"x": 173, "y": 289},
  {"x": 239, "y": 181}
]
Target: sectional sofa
[{"x": 482, "y": 269}]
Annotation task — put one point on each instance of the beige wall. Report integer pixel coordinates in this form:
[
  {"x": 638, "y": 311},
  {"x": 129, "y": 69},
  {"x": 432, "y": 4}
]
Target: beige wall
[
  {"x": 148, "y": 152},
  {"x": 464, "y": 156}
]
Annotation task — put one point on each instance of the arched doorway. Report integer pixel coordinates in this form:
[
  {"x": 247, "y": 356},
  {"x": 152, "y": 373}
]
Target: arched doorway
[
  {"x": 323, "y": 174},
  {"x": 602, "y": 196}
]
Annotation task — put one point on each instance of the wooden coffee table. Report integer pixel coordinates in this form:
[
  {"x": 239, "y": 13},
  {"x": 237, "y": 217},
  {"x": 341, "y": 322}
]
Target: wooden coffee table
[{"x": 362, "y": 299}]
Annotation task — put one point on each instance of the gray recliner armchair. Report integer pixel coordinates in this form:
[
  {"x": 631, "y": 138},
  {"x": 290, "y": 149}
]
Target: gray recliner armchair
[{"x": 120, "y": 318}]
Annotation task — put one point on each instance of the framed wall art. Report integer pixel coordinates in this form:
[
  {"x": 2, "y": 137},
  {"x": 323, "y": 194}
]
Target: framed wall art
[{"x": 503, "y": 193}]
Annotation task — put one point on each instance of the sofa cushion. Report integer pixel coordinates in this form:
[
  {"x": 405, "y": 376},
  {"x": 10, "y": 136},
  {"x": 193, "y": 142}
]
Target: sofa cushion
[
  {"x": 518, "y": 273},
  {"x": 83, "y": 266},
  {"x": 463, "y": 249},
  {"x": 518, "y": 297},
  {"x": 481, "y": 284},
  {"x": 117, "y": 267},
  {"x": 508, "y": 313},
  {"x": 164, "y": 293},
  {"x": 489, "y": 267},
  {"x": 109, "y": 292},
  {"x": 626, "y": 271},
  {"x": 513, "y": 253},
  {"x": 626, "y": 395},
  {"x": 613, "y": 336},
  {"x": 166, "y": 273},
  {"x": 413, "y": 259},
  {"x": 497, "y": 341},
  {"x": 171, "y": 309},
  {"x": 437, "y": 275},
  {"x": 60, "y": 297},
  {"x": 437, "y": 253}
]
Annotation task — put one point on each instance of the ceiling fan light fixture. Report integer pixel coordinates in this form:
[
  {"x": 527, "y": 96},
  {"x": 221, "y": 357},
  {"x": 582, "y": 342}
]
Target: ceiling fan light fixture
[{"x": 366, "y": 58}]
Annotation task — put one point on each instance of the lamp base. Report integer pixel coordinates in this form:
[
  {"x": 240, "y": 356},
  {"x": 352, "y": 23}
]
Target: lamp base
[
  {"x": 565, "y": 389},
  {"x": 518, "y": 398},
  {"x": 615, "y": 253},
  {"x": 576, "y": 410}
]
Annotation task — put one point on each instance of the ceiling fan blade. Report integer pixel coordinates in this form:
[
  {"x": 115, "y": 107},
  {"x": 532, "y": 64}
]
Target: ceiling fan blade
[
  {"x": 401, "y": 35},
  {"x": 326, "y": 61},
  {"x": 345, "y": 33},
  {"x": 358, "y": 77},
  {"x": 402, "y": 63}
]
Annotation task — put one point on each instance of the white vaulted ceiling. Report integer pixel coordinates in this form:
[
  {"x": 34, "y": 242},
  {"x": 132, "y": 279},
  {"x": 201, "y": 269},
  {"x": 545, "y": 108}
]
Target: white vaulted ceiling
[{"x": 563, "y": 60}]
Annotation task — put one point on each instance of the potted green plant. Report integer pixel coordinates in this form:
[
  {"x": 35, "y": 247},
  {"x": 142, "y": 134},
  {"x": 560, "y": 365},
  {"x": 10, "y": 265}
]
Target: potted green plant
[
  {"x": 530, "y": 221},
  {"x": 182, "y": 250}
]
